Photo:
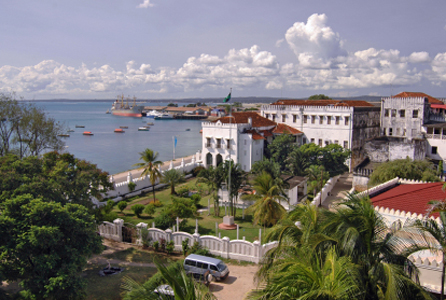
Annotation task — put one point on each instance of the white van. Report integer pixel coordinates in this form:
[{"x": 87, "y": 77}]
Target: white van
[{"x": 199, "y": 264}]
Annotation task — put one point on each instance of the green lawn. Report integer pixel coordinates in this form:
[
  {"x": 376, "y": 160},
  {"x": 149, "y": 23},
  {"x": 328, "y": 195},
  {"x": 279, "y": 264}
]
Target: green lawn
[{"x": 206, "y": 224}]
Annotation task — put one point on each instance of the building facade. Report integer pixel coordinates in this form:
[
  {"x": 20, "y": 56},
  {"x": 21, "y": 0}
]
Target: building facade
[
  {"x": 240, "y": 137},
  {"x": 346, "y": 123}
]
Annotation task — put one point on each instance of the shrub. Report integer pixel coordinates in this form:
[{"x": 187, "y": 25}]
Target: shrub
[
  {"x": 183, "y": 192},
  {"x": 157, "y": 203},
  {"x": 108, "y": 207},
  {"x": 197, "y": 170},
  {"x": 110, "y": 217},
  {"x": 164, "y": 220},
  {"x": 149, "y": 209},
  {"x": 138, "y": 209},
  {"x": 196, "y": 199},
  {"x": 185, "y": 245},
  {"x": 197, "y": 249},
  {"x": 170, "y": 247},
  {"x": 156, "y": 245},
  {"x": 131, "y": 186},
  {"x": 122, "y": 205}
]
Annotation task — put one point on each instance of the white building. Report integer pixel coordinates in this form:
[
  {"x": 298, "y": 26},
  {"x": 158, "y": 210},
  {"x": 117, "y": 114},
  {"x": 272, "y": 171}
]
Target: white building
[
  {"x": 240, "y": 137},
  {"x": 347, "y": 123}
]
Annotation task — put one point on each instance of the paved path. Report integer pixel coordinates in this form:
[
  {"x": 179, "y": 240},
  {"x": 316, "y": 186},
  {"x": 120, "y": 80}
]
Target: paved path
[
  {"x": 342, "y": 187},
  {"x": 137, "y": 172}
]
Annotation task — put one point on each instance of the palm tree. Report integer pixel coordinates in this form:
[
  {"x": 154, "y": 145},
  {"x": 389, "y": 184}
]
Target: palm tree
[
  {"x": 317, "y": 178},
  {"x": 183, "y": 286},
  {"x": 234, "y": 182},
  {"x": 358, "y": 234},
  {"x": 151, "y": 167},
  {"x": 267, "y": 209},
  {"x": 213, "y": 178},
  {"x": 434, "y": 234},
  {"x": 173, "y": 177}
]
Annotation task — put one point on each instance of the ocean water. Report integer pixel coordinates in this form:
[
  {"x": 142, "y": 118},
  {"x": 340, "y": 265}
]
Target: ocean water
[{"x": 117, "y": 152}]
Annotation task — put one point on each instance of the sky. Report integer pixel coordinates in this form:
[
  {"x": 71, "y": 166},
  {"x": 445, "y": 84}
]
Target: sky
[{"x": 173, "y": 49}]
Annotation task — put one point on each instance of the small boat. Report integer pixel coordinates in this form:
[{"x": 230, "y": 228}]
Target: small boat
[
  {"x": 70, "y": 130},
  {"x": 80, "y": 126},
  {"x": 187, "y": 129},
  {"x": 124, "y": 127},
  {"x": 64, "y": 135},
  {"x": 119, "y": 130},
  {"x": 153, "y": 114},
  {"x": 108, "y": 111},
  {"x": 87, "y": 133},
  {"x": 149, "y": 123},
  {"x": 164, "y": 117},
  {"x": 143, "y": 128}
]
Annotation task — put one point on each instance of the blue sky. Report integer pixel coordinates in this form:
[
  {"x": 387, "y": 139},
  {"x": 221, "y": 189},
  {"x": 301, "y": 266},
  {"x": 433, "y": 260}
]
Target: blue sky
[{"x": 157, "y": 49}]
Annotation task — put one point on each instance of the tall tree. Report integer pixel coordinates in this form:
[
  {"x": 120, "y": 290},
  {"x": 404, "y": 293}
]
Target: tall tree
[
  {"x": 319, "y": 97},
  {"x": 151, "y": 167},
  {"x": 266, "y": 165},
  {"x": 317, "y": 177},
  {"x": 173, "y": 177},
  {"x": 26, "y": 130},
  {"x": 55, "y": 177},
  {"x": 281, "y": 147},
  {"x": 267, "y": 209},
  {"x": 213, "y": 178},
  {"x": 46, "y": 245}
]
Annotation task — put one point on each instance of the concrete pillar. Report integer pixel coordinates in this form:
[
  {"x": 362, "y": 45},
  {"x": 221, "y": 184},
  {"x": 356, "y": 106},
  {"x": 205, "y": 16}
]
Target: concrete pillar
[
  {"x": 226, "y": 246},
  {"x": 139, "y": 229},
  {"x": 119, "y": 223},
  {"x": 168, "y": 235},
  {"x": 257, "y": 251},
  {"x": 129, "y": 177},
  {"x": 171, "y": 165},
  {"x": 237, "y": 231},
  {"x": 178, "y": 224},
  {"x": 196, "y": 238},
  {"x": 196, "y": 225}
]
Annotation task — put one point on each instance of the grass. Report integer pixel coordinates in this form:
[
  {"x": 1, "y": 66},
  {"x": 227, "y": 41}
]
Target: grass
[
  {"x": 206, "y": 224},
  {"x": 109, "y": 287},
  {"x": 140, "y": 256}
]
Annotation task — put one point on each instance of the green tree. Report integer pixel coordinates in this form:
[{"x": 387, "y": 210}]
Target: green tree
[
  {"x": 319, "y": 97},
  {"x": 149, "y": 209},
  {"x": 46, "y": 245},
  {"x": 404, "y": 168},
  {"x": 317, "y": 177},
  {"x": 122, "y": 205},
  {"x": 267, "y": 209},
  {"x": 182, "y": 208},
  {"x": 151, "y": 167},
  {"x": 266, "y": 165},
  {"x": 172, "y": 178},
  {"x": 138, "y": 209},
  {"x": 26, "y": 130},
  {"x": 213, "y": 178},
  {"x": 234, "y": 177},
  {"x": 54, "y": 177},
  {"x": 281, "y": 147}
]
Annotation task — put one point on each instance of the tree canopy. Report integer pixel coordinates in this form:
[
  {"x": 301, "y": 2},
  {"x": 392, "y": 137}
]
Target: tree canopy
[
  {"x": 26, "y": 130},
  {"x": 404, "y": 168},
  {"x": 319, "y": 97},
  {"x": 46, "y": 245},
  {"x": 54, "y": 177}
]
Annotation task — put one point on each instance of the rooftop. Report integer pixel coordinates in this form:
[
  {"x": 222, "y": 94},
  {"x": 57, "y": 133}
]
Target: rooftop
[
  {"x": 242, "y": 118},
  {"x": 346, "y": 103},
  {"x": 431, "y": 99},
  {"x": 411, "y": 198},
  {"x": 282, "y": 128}
]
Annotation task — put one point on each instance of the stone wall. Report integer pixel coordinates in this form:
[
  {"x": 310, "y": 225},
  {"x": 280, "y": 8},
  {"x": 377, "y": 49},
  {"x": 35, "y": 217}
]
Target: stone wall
[
  {"x": 385, "y": 149},
  {"x": 366, "y": 126}
]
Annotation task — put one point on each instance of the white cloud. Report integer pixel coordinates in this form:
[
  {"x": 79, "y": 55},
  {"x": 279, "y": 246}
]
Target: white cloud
[
  {"x": 145, "y": 4},
  {"x": 321, "y": 64}
]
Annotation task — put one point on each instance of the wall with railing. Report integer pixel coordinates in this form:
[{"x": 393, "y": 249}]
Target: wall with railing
[{"x": 324, "y": 193}]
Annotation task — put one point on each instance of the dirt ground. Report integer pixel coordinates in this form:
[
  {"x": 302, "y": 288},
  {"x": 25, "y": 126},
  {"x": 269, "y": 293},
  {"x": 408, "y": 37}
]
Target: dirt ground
[{"x": 238, "y": 284}]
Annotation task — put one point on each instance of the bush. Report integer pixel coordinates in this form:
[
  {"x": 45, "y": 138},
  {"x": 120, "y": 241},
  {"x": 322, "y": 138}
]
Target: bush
[
  {"x": 110, "y": 217},
  {"x": 170, "y": 247},
  {"x": 156, "y": 245},
  {"x": 197, "y": 170},
  {"x": 157, "y": 203},
  {"x": 197, "y": 249},
  {"x": 131, "y": 186},
  {"x": 164, "y": 220},
  {"x": 138, "y": 209},
  {"x": 196, "y": 199},
  {"x": 149, "y": 209},
  {"x": 122, "y": 205},
  {"x": 185, "y": 245},
  {"x": 183, "y": 192},
  {"x": 108, "y": 207}
]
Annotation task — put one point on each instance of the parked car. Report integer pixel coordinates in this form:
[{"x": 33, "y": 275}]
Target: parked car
[{"x": 198, "y": 264}]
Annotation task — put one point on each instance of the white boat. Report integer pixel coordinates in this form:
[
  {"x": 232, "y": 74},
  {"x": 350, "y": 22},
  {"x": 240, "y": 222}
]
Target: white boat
[
  {"x": 164, "y": 116},
  {"x": 143, "y": 128},
  {"x": 153, "y": 114}
]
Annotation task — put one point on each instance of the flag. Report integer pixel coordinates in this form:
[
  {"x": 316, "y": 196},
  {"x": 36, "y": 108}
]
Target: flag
[
  {"x": 175, "y": 139},
  {"x": 227, "y": 98}
]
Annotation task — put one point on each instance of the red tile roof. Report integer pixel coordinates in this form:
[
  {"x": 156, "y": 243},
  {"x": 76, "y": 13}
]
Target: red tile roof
[
  {"x": 411, "y": 198},
  {"x": 431, "y": 99},
  {"x": 267, "y": 133},
  {"x": 283, "y": 128},
  {"x": 349, "y": 103},
  {"x": 255, "y": 135},
  {"x": 242, "y": 117}
]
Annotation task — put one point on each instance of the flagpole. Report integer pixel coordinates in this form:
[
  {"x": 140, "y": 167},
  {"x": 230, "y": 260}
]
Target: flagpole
[
  {"x": 173, "y": 144},
  {"x": 230, "y": 166}
]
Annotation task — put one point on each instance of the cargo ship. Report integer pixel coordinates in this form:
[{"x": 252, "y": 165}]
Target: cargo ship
[{"x": 121, "y": 108}]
